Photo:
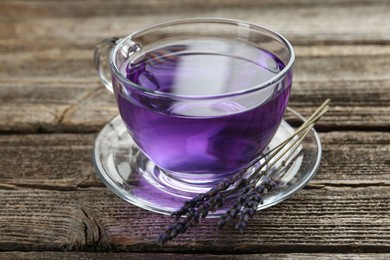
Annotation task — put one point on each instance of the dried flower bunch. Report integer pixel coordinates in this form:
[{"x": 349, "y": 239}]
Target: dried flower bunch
[{"x": 251, "y": 189}]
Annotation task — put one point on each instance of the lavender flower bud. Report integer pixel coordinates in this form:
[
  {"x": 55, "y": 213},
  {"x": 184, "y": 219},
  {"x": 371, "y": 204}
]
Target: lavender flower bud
[
  {"x": 233, "y": 213},
  {"x": 245, "y": 189},
  {"x": 204, "y": 196},
  {"x": 273, "y": 184},
  {"x": 242, "y": 183},
  {"x": 249, "y": 204},
  {"x": 245, "y": 211},
  {"x": 225, "y": 184},
  {"x": 163, "y": 238},
  {"x": 241, "y": 225},
  {"x": 214, "y": 191},
  {"x": 179, "y": 227},
  {"x": 191, "y": 203},
  {"x": 260, "y": 189},
  {"x": 221, "y": 223},
  {"x": 186, "y": 226},
  {"x": 266, "y": 179},
  {"x": 173, "y": 233},
  {"x": 258, "y": 198},
  {"x": 216, "y": 202},
  {"x": 196, "y": 217},
  {"x": 204, "y": 210}
]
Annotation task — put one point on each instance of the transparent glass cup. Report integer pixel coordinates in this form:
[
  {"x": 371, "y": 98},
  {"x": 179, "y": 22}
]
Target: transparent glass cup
[{"x": 201, "y": 98}]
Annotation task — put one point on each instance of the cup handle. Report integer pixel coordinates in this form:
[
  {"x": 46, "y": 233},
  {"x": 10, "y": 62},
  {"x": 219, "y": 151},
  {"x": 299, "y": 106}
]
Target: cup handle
[{"x": 101, "y": 58}]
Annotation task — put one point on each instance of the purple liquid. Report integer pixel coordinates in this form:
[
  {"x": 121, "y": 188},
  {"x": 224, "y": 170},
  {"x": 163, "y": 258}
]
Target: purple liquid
[{"x": 217, "y": 136}]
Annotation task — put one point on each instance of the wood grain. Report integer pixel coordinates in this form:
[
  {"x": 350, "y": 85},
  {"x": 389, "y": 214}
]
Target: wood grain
[
  {"x": 314, "y": 220},
  {"x": 81, "y": 24},
  {"x": 60, "y": 91},
  {"x": 45, "y": 196},
  {"x": 60, "y": 162},
  {"x": 64, "y": 161},
  {"x": 170, "y": 256}
]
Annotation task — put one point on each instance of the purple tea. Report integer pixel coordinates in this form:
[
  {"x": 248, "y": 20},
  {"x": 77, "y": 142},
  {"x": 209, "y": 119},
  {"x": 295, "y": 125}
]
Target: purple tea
[{"x": 207, "y": 136}]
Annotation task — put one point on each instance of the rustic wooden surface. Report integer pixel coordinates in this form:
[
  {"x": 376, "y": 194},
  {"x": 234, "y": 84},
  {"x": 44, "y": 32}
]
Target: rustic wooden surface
[{"x": 52, "y": 106}]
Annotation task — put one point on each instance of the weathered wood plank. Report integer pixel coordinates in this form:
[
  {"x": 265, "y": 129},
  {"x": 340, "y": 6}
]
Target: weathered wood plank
[
  {"x": 64, "y": 161},
  {"x": 61, "y": 162},
  {"x": 60, "y": 91},
  {"x": 74, "y": 8},
  {"x": 54, "y": 105},
  {"x": 171, "y": 256},
  {"x": 81, "y": 24},
  {"x": 340, "y": 220},
  {"x": 353, "y": 159}
]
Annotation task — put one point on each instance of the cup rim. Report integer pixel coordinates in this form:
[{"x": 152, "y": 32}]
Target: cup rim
[{"x": 209, "y": 20}]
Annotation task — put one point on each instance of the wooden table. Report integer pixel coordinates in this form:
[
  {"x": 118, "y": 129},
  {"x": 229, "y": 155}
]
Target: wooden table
[{"x": 52, "y": 205}]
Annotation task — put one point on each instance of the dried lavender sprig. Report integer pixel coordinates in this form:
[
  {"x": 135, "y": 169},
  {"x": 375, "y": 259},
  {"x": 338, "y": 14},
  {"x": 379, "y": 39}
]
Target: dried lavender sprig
[
  {"x": 195, "y": 209},
  {"x": 251, "y": 204},
  {"x": 320, "y": 111},
  {"x": 291, "y": 151},
  {"x": 199, "y": 206},
  {"x": 246, "y": 206},
  {"x": 211, "y": 203},
  {"x": 199, "y": 201},
  {"x": 309, "y": 123}
]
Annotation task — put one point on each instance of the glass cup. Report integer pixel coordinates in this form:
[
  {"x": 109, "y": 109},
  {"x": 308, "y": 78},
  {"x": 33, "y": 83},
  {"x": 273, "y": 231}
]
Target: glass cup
[{"x": 202, "y": 98}]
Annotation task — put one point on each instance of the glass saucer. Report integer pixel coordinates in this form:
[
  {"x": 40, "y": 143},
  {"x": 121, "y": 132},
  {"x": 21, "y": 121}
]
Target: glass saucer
[{"x": 133, "y": 177}]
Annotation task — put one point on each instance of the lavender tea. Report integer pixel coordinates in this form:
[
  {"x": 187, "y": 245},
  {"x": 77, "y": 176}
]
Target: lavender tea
[{"x": 209, "y": 118}]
